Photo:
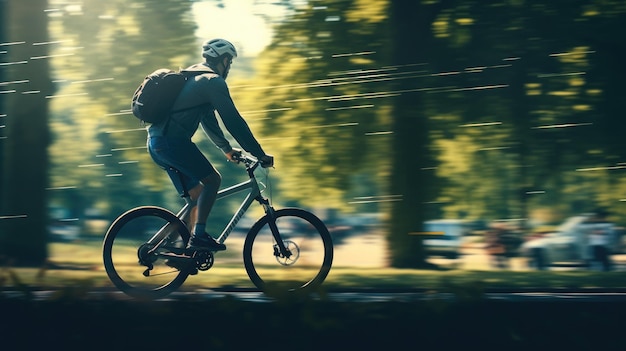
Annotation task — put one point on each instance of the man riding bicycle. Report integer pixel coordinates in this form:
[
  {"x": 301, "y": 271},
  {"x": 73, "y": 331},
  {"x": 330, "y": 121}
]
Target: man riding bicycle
[{"x": 170, "y": 145}]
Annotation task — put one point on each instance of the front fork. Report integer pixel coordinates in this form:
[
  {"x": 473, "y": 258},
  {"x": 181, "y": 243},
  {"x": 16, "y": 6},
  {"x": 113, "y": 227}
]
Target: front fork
[{"x": 280, "y": 250}]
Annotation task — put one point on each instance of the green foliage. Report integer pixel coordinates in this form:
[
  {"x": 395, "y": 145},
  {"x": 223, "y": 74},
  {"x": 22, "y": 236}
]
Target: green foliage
[
  {"x": 547, "y": 124},
  {"x": 99, "y": 156},
  {"x": 467, "y": 109},
  {"x": 510, "y": 109},
  {"x": 320, "y": 111}
]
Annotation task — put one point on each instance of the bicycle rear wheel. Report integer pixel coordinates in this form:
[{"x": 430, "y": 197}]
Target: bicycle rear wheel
[
  {"x": 140, "y": 269},
  {"x": 308, "y": 241}
]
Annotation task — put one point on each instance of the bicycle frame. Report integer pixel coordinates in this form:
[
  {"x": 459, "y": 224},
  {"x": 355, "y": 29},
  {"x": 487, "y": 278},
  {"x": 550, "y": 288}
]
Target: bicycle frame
[
  {"x": 167, "y": 253},
  {"x": 254, "y": 194}
]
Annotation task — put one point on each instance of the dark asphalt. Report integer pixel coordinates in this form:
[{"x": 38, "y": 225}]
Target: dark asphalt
[{"x": 352, "y": 295}]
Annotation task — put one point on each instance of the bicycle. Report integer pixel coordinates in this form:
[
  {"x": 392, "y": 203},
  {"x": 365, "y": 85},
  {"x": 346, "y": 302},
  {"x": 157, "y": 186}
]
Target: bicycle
[{"x": 146, "y": 256}]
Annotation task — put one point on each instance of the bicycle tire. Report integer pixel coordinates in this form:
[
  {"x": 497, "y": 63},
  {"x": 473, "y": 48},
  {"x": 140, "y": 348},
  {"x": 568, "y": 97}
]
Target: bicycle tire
[
  {"x": 126, "y": 237},
  {"x": 300, "y": 230}
]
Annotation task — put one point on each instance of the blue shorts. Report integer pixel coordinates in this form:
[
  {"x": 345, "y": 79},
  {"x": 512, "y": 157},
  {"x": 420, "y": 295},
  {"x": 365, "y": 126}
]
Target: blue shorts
[{"x": 183, "y": 155}]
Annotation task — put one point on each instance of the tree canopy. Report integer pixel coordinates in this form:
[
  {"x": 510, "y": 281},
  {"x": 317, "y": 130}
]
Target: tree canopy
[{"x": 418, "y": 109}]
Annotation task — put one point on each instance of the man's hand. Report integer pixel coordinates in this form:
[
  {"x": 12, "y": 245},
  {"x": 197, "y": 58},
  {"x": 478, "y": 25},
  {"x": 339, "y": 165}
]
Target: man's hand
[
  {"x": 267, "y": 161},
  {"x": 233, "y": 155}
]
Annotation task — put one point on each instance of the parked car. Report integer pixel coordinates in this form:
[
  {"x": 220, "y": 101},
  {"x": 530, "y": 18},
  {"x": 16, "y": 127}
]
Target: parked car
[
  {"x": 444, "y": 237},
  {"x": 62, "y": 226},
  {"x": 565, "y": 245}
]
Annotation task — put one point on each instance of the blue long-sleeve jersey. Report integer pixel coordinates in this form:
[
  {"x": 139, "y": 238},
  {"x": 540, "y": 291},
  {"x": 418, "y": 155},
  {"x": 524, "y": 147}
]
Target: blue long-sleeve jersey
[{"x": 198, "y": 101}]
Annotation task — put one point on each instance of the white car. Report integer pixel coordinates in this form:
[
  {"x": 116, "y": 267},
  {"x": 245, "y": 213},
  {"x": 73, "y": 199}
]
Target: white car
[
  {"x": 444, "y": 237},
  {"x": 567, "y": 245}
]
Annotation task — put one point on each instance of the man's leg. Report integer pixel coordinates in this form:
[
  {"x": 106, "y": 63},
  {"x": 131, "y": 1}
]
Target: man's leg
[
  {"x": 205, "y": 193},
  {"x": 204, "y": 196},
  {"x": 206, "y": 199},
  {"x": 191, "y": 216}
]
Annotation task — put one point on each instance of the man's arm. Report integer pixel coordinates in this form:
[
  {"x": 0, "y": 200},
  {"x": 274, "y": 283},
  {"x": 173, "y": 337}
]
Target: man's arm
[
  {"x": 214, "y": 132},
  {"x": 219, "y": 97}
]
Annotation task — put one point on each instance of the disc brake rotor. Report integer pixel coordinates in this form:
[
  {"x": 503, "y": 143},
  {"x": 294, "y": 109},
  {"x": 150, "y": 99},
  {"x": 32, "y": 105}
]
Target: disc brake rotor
[{"x": 292, "y": 248}]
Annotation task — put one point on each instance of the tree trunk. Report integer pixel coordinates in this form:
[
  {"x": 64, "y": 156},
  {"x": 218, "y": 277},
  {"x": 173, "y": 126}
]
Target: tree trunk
[
  {"x": 23, "y": 236},
  {"x": 3, "y": 39},
  {"x": 412, "y": 178}
]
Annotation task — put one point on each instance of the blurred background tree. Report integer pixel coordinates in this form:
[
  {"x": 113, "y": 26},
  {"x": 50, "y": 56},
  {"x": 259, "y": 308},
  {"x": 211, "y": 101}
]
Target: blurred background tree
[
  {"x": 493, "y": 113},
  {"x": 110, "y": 47},
  {"x": 3, "y": 39},
  {"x": 418, "y": 110},
  {"x": 25, "y": 160}
]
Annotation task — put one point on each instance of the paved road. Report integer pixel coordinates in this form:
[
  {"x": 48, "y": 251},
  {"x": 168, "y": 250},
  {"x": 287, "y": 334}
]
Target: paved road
[
  {"x": 364, "y": 296},
  {"x": 399, "y": 296}
]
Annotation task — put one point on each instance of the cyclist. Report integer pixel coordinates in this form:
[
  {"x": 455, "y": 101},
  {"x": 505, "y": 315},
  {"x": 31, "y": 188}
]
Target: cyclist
[{"x": 170, "y": 145}]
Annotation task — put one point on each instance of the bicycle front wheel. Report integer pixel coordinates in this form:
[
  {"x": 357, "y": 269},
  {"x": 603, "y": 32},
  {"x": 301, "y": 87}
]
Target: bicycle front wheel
[
  {"x": 140, "y": 269},
  {"x": 310, "y": 252}
]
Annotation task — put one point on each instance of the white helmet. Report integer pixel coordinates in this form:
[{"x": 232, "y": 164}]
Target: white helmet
[{"x": 215, "y": 48}]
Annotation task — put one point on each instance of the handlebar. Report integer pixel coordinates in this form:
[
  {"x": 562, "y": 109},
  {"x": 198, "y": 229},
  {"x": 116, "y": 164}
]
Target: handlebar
[
  {"x": 252, "y": 163},
  {"x": 245, "y": 159}
]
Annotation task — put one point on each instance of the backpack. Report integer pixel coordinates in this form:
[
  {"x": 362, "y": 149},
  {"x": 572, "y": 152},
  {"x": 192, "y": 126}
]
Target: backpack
[{"x": 154, "y": 98}]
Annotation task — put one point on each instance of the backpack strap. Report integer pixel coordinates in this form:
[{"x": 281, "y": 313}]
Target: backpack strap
[
  {"x": 193, "y": 71},
  {"x": 198, "y": 68},
  {"x": 189, "y": 73}
]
